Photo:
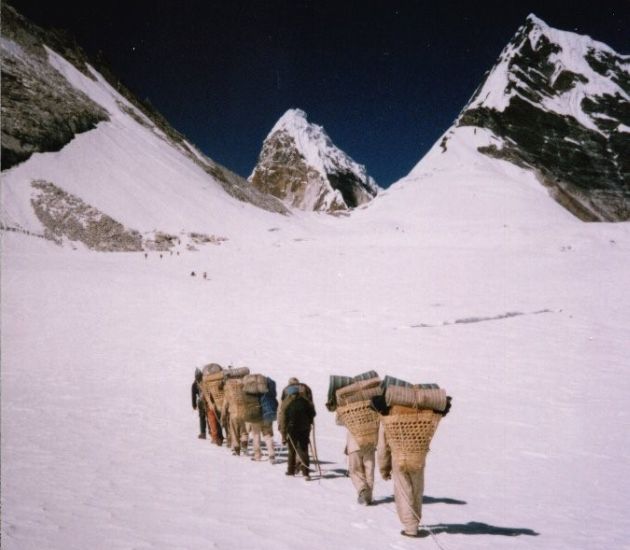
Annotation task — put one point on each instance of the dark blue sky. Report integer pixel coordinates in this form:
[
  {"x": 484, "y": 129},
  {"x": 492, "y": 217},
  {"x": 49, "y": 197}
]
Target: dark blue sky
[{"x": 384, "y": 78}]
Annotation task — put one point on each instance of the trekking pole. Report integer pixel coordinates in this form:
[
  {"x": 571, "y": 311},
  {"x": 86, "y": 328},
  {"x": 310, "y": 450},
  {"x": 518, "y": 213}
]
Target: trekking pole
[{"x": 314, "y": 451}]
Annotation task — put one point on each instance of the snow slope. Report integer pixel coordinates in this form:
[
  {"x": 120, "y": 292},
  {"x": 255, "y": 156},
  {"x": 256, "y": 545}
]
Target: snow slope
[
  {"x": 128, "y": 169},
  {"x": 516, "y": 308}
]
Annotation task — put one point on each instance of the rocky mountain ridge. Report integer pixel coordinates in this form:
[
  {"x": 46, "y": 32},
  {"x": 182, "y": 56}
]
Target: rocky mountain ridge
[
  {"x": 42, "y": 111},
  {"x": 559, "y": 104},
  {"x": 300, "y": 165}
]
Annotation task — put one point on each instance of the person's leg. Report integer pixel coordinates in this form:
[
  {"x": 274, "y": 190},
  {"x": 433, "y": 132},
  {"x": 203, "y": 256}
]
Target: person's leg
[
  {"x": 256, "y": 429},
  {"x": 244, "y": 437},
  {"x": 213, "y": 427},
  {"x": 201, "y": 408},
  {"x": 417, "y": 483},
  {"x": 356, "y": 472},
  {"x": 235, "y": 435},
  {"x": 291, "y": 455},
  {"x": 404, "y": 498},
  {"x": 267, "y": 431},
  {"x": 302, "y": 449},
  {"x": 368, "y": 460}
]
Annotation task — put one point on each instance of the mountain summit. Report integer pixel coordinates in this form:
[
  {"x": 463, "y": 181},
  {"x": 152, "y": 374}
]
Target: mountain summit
[
  {"x": 300, "y": 165},
  {"x": 559, "y": 103}
]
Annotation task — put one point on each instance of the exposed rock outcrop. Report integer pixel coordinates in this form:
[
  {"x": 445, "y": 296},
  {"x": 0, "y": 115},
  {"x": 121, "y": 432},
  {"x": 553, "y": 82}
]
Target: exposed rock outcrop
[
  {"x": 66, "y": 216},
  {"x": 560, "y": 104},
  {"x": 41, "y": 111},
  {"x": 300, "y": 165}
]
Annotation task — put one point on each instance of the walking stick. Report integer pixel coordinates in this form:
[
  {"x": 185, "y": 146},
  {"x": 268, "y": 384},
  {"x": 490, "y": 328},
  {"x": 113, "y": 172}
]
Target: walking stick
[{"x": 314, "y": 451}]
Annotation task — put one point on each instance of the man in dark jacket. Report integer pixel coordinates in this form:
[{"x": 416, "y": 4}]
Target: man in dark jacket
[
  {"x": 294, "y": 422},
  {"x": 199, "y": 404}
]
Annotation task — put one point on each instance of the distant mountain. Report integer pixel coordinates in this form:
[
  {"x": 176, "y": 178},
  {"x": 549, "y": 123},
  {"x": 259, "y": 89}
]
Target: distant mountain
[
  {"x": 558, "y": 103},
  {"x": 300, "y": 165},
  {"x": 84, "y": 160}
]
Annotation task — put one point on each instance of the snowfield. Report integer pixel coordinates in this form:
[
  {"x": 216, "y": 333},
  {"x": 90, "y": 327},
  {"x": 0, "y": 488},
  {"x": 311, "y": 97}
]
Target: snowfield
[{"x": 528, "y": 332}]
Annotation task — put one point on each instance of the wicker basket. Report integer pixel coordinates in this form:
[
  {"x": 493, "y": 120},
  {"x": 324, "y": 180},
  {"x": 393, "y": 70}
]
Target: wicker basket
[
  {"x": 362, "y": 422},
  {"x": 252, "y": 410},
  {"x": 235, "y": 397},
  {"x": 409, "y": 436}
]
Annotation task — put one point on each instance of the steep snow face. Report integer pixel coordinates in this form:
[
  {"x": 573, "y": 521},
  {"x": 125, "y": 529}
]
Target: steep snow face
[
  {"x": 131, "y": 174},
  {"x": 566, "y": 69},
  {"x": 300, "y": 164},
  {"x": 41, "y": 111},
  {"x": 559, "y": 103}
]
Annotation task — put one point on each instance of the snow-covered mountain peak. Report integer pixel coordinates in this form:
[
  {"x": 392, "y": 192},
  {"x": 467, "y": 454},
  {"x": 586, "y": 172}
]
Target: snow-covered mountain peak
[
  {"x": 557, "y": 103},
  {"x": 556, "y": 69},
  {"x": 293, "y": 119},
  {"x": 300, "y": 164}
]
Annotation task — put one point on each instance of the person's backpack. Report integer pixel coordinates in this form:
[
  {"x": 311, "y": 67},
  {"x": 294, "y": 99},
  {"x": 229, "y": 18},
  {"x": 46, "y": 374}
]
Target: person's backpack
[{"x": 299, "y": 412}]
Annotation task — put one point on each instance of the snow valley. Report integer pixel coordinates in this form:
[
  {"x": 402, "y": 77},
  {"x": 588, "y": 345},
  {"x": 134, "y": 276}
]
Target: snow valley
[{"x": 465, "y": 273}]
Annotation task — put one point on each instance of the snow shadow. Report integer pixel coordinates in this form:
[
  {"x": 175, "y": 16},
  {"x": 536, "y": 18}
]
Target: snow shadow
[
  {"x": 434, "y": 500},
  {"x": 425, "y": 500},
  {"x": 477, "y": 528}
]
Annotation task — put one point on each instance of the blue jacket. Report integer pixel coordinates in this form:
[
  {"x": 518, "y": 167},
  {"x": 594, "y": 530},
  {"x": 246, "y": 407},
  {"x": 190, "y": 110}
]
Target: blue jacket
[{"x": 269, "y": 402}]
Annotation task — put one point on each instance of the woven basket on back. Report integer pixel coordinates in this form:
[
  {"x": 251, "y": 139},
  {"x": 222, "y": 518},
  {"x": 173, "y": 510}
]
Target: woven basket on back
[
  {"x": 235, "y": 397},
  {"x": 212, "y": 385},
  {"x": 361, "y": 420},
  {"x": 252, "y": 410},
  {"x": 409, "y": 436}
]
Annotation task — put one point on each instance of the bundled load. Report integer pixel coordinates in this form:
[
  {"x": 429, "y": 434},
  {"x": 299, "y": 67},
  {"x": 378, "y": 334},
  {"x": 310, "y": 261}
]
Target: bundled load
[
  {"x": 238, "y": 372},
  {"x": 391, "y": 381},
  {"x": 416, "y": 397},
  {"x": 359, "y": 391},
  {"x": 339, "y": 382},
  {"x": 415, "y": 411},
  {"x": 214, "y": 379},
  {"x": 212, "y": 368},
  {"x": 352, "y": 401},
  {"x": 255, "y": 384}
]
